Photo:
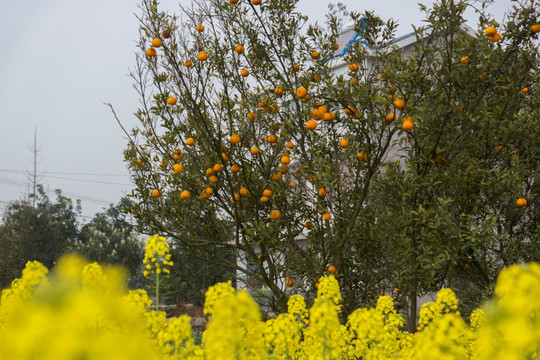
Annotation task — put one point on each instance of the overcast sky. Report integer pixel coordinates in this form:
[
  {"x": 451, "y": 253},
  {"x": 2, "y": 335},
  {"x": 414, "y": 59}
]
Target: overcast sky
[{"x": 63, "y": 59}]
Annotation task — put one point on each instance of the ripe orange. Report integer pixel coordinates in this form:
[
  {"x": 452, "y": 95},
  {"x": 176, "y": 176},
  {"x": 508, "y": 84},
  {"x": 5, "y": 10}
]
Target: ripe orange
[
  {"x": 344, "y": 143},
  {"x": 301, "y": 92},
  {"x": 389, "y": 118},
  {"x": 235, "y": 168},
  {"x": 236, "y": 197},
  {"x": 218, "y": 168},
  {"x": 289, "y": 282},
  {"x": 244, "y": 191},
  {"x": 308, "y": 224},
  {"x": 315, "y": 55},
  {"x": 264, "y": 199},
  {"x": 524, "y": 90},
  {"x": 251, "y": 116},
  {"x": 275, "y": 214},
  {"x": 317, "y": 78},
  {"x": 190, "y": 141},
  {"x": 200, "y": 28},
  {"x": 361, "y": 157},
  {"x": 490, "y": 31},
  {"x": 151, "y": 52},
  {"x": 332, "y": 269},
  {"x": 235, "y": 138},
  {"x": 202, "y": 56},
  {"x": 291, "y": 184},
  {"x": 495, "y": 37},
  {"x": 311, "y": 125},
  {"x": 156, "y": 43},
  {"x": 239, "y": 49},
  {"x": 521, "y": 202},
  {"x": 225, "y": 157},
  {"x": 176, "y": 156},
  {"x": 244, "y": 72},
  {"x": 139, "y": 161},
  {"x": 458, "y": 109},
  {"x": 351, "y": 111},
  {"x": 178, "y": 168},
  {"x": 353, "y": 82},
  {"x": 267, "y": 193},
  {"x": 171, "y": 100},
  {"x": 316, "y": 114},
  {"x": 156, "y": 193},
  {"x": 233, "y": 1},
  {"x": 165, "y": 34},
  {"x": 210, "y": 171},
  {"x": 322, "y": 192},
  {"x": 278, "y": 90},
  {"x": 285, "y": 160},
  {"x": 295, "y": 67},
  {"x": 290, "y": 145},
  {"x": 407, "y": 125},
  {"x": 535, "y": 28},
  {"x": 353, "y": 67},
  {"x": 465, "y": 59},
  {"x": 209, "y": 190},
  {"x": 277, "y": 176},
  {"x": 399, "y": 104},
  {"x": 328, "y": 116},
  {"x": 188, "y": 63},
  {"x": 255, "y": 150},
  {"x": 327, "y": 216},
  {"x": 271, "y": 139},
  {"x": 213, "y": 179},
  {"x": 185, "y": 194},
  {"x": 204, "y": 195},
  {"x": 256, "y": 2}
]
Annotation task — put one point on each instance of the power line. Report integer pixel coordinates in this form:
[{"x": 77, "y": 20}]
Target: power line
[
  {"x": 19, "y": 184},
  {"x": 87, "y": 181},
  {"x": 67, "y": 173}
]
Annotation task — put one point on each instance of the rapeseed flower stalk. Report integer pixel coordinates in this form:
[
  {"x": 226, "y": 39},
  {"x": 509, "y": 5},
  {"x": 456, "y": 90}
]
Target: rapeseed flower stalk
[
  {"x": 282, "y": 336},
  {"x": 296, "y": 306},
  {"x": 216, "y": 293},
  {"x": 329, "y": 289},
  {"x": 68, "y": 318},
  {"x": 235, "y": 327},
  {"x": 156, "y": 259}
]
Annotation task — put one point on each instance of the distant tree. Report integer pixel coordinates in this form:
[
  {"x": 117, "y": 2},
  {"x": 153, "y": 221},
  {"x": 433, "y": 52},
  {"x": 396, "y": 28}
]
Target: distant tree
[
  {"x": 36, "y": 233},
  {"x": 109, "y": 239}
]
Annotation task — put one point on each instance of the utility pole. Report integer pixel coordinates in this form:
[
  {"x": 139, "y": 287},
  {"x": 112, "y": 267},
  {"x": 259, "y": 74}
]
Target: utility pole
[{"x": 33, "y": 176}]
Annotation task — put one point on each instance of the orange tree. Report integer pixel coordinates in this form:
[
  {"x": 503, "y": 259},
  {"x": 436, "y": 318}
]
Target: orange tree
[
  {"x": 461, "y": 203},
  {"x": 250, "y": 141},
  {"x": 245, "y": 130}
]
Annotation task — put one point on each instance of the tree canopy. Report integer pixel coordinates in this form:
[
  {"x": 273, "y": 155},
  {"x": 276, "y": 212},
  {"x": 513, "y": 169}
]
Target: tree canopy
[{"x": 402, "y": 172}]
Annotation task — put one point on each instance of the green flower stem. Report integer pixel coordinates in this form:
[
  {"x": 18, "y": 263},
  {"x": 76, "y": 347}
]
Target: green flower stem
[{"x": 157, "y": 291}]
